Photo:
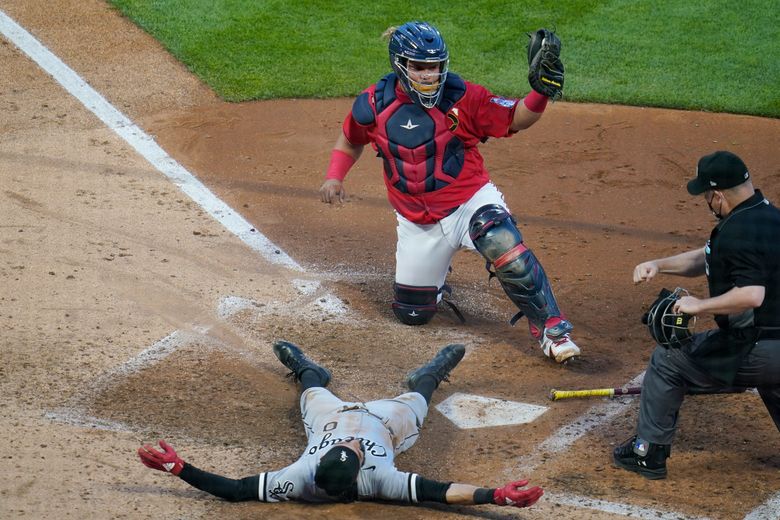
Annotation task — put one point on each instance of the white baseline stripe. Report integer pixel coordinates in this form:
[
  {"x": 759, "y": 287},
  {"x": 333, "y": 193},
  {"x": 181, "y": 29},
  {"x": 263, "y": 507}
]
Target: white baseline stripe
[
  {"x": 147, "y": 357},
  {"x": 565, "y": 436},
  {"x": 79, "y": 418},
  {"x": 769, "y": 510},
  {"x": 596, "y": 416},
  {"x": 76, "y": 414},
  {"x": 143, "y": 143},
  {"x": 641, "y": 512}
]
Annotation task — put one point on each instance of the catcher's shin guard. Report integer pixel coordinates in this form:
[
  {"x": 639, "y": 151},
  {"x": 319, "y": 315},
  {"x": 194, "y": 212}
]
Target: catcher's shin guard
[
  {"x": 415, "y": 305},
  {"x": 496, "y": 237}
]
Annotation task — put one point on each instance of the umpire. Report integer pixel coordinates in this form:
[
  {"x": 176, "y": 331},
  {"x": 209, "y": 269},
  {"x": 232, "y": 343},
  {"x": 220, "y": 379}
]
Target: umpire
[{"x": 742, "y": 263}]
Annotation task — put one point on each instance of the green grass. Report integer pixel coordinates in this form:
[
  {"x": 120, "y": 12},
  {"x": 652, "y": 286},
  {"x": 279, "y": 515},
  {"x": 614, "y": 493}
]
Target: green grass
[{"x": 715, "y": 55}]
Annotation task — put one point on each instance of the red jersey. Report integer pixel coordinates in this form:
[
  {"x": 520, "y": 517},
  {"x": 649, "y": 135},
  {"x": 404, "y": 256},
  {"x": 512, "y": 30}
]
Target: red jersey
[{"x": 431, "y": 161}]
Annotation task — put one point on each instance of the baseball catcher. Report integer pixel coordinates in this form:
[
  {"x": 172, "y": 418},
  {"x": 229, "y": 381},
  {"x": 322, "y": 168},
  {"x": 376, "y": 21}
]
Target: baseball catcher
[
  {"x": 426, "y": 123},
  {"x": 351, "y": 447}
]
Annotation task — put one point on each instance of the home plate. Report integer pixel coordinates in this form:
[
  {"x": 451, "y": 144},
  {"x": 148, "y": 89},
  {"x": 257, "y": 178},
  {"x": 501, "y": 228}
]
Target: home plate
[{"x": 475, "y": 411}]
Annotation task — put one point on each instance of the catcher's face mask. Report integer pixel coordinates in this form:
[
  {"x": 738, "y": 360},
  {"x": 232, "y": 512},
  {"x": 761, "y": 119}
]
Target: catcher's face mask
[
  {"x": 419, "y": 45},
  {"x": 669, "y": 328}
]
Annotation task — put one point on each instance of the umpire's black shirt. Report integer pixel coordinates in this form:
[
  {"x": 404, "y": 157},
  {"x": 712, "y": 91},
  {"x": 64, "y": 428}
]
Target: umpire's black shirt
[{"x": 743, "y": 250}]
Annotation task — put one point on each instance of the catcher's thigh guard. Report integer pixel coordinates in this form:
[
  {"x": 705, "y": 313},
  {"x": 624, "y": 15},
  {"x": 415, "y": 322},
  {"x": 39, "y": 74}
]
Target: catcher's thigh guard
[
  {"x": 496, "y": 237},
  {"x": 415, "y": 305}
]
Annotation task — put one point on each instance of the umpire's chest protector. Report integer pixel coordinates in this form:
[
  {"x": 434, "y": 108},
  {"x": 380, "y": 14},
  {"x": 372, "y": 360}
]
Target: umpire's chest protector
[{"x": 418, "y": 147}]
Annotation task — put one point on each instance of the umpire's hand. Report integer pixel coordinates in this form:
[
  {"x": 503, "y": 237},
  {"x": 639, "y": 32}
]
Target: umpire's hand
[{"x": 645, "y": 271}]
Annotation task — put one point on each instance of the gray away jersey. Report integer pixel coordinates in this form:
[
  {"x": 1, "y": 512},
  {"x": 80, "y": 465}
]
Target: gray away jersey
[
  {"x": 378, "y": 477},
  {"x": 385, "y": 428}
]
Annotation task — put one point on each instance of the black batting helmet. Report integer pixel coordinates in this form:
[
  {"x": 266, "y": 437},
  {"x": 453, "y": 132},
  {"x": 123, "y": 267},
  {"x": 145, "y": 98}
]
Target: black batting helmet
[{"x": 669, "y": 328}]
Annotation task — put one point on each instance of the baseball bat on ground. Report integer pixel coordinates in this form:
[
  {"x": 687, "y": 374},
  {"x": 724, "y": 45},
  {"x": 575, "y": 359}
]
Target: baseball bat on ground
[{"x": 556, "y": 395}]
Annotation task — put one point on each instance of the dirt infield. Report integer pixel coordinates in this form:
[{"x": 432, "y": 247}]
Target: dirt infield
[{"x": 129, "y": 314}]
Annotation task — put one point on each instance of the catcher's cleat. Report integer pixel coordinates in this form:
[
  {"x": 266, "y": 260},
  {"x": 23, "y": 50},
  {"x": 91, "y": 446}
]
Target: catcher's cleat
[
  {"x": 439, "y": 367},
  {"x": 561, "y": 349},
  {"x": 293, "y": 358},
  {"x": 645, "y": 458},
  {"x": 556, "y": 342}
]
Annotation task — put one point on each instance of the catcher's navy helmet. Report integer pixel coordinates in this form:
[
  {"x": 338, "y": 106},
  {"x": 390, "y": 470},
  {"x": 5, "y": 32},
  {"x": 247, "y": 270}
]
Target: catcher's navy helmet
[
  {"x": 420, "y": 42},
  {"x": 669, "y": 328}
]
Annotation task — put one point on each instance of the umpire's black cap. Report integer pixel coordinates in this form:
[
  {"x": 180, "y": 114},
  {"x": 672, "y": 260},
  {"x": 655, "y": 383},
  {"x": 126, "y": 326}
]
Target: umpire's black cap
[{"x": 718, "y": 171}]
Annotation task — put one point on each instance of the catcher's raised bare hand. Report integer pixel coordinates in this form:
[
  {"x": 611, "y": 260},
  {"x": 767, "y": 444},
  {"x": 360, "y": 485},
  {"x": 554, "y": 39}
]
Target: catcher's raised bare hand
[{"x": 545, "y": 69}]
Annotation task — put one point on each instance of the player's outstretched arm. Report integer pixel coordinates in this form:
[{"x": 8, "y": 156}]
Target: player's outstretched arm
[
  {"x": 168, "y": 461},
  {"x": 512, "y": 494}
]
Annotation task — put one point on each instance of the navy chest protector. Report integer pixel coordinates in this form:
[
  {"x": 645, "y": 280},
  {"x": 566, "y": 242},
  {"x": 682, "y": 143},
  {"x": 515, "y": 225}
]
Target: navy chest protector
[{"x": 420, "y": 152}]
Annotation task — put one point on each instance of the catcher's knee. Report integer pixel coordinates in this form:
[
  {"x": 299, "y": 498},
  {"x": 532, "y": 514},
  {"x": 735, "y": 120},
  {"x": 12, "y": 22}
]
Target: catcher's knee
[
  {"x": 495, "y": 235},
  {"x": 415, "y": 305}
]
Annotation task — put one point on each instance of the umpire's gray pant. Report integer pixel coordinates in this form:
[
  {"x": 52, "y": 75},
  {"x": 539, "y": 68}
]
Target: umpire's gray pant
[{"x": 671, "y": 373}]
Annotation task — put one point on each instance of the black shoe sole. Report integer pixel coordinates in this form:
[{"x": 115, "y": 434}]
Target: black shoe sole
[{"x": 650, "y": 474}]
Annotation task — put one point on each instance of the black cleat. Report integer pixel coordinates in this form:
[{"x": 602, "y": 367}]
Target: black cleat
[
  {"x": 293, "y": 358},
  {"x": 439, "y": 367},
  {"x": 645, "y": 458}
]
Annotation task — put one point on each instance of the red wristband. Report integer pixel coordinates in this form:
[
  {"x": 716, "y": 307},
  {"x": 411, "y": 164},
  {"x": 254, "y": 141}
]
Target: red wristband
[
  {"x": 340, "y": 163},
  {"x": 535, "y": 102}
]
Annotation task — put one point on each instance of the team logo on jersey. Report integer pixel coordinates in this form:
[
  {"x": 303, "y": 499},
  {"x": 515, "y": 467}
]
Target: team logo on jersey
[
  {"x": 409, "y": 125},
  {"x": 281, "y": 490},
  {"x": 503, "y": 102},
  {"x": 453, "y": 117}
]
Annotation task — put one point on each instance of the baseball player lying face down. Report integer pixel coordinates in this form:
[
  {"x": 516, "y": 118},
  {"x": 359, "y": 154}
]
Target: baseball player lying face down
[
  {"x": 351, "y": 447},
  {"x": 425, "y": 123}
]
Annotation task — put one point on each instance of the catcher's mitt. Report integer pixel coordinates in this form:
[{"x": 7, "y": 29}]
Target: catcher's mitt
[
  {"x": 667, "y": 328},
  {"x": 545, "y": 69}
]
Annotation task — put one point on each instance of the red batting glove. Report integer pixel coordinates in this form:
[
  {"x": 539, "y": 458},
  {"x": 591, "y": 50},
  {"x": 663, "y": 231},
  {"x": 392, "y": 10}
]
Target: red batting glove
[
  {"x": 512, "y": 495},
  {"x": 165, "y": 460}
]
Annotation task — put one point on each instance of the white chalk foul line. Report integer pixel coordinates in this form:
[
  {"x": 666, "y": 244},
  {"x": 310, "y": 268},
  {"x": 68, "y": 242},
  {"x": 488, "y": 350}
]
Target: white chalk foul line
[
  {"x": 75, "y": 413},
  {"x": 143, "y": 143},
  {"x": 614, "y": 508},
  {"x": 80, "y": 419},
  {"x": 565, "y": 436},
  {"x": 143, "y": 359}
]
